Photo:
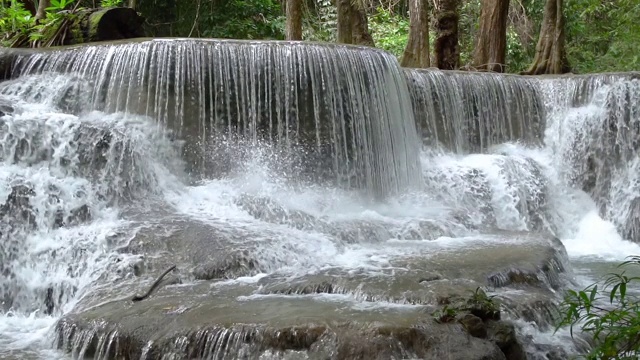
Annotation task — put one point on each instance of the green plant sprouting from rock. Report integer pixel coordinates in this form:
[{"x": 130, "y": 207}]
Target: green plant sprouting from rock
[
  {"x": 478, "y": 303},
  {"x": 610, "y": 316}
]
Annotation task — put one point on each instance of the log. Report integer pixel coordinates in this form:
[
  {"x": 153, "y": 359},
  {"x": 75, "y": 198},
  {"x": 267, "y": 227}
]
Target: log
[{"x": 115, "y": 24}]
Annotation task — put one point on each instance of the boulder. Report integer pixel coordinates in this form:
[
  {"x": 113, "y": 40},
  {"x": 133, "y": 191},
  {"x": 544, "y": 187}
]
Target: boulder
[
  {"x": 503, "y": 334},
  {"x": 474, "y": 325}
]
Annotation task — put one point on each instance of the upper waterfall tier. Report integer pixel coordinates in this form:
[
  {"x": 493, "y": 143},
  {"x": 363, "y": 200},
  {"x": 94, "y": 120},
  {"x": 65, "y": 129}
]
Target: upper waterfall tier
[
  {"x": 345, "y": 108},
  {"x": 469, "y": 112}
]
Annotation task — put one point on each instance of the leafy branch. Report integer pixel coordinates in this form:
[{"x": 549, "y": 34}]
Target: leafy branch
[{"x": 610, "y": 316}]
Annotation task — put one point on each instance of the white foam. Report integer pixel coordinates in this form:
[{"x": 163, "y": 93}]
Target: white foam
[
  {"x": 27, "y": 334},
  {"x": 598, "y": 238}
]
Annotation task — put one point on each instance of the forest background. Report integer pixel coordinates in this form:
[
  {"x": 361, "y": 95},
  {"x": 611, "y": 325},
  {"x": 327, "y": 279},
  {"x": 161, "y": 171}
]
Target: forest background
[{"x": 515, "y": 36}]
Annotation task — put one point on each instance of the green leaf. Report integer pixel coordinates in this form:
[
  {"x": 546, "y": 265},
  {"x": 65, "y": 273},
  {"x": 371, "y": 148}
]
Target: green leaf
[
  {"x": 612, "y": 295},
  {"x": 594, "y": 292}
]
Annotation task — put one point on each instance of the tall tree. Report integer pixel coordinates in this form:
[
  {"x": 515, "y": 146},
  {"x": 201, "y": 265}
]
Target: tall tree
[
  {"x": 491, "y": 46},
  {"x": 416, "y": 53},
  {"x": 360, "y": 26},
  {"x": 293, "y": 30},
  {"x": 551, "y": 54},
  {"x": 446, "y": 49},
  {"x": 42, "y": 9},
  {"x": 344, "y": 21}
]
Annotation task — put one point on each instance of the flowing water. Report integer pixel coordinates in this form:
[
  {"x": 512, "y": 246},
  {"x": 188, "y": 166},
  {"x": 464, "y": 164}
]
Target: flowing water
[{"x": 298, "y": 167}]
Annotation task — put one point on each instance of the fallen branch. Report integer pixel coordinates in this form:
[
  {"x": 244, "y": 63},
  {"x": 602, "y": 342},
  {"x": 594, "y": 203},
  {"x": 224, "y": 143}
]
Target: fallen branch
[{"x": 154, "y": 286}]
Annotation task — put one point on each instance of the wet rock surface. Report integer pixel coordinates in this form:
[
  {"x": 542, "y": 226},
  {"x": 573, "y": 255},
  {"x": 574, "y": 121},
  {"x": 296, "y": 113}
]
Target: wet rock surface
[
  {"x": 6, "y": 107},
  {"x": 222, "y": 304}
]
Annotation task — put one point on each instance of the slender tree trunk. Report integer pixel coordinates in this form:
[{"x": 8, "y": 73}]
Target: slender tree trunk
[
  {"x": 551, "y": 54},
  {"x": 344, "y": 21},
  {"x": 491, "y": 47},
  {"x": 360, "y": 30},
  {"x": 132, "y": 4},
  {"x": 196, "y": 20},
  {"x": 42, "y": 12},
  {"x": 416, "y": 54},
  {"x": 446, "y": 51},
  {"x": 293, "y": 29}
]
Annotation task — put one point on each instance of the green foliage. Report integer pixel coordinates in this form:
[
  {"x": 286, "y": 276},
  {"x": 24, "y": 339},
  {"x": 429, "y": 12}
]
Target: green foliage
[
  {"x": 603, "y": 35},
  {"x": 517, "y": 57},
  {"x": 445, "y": 315},
  {"x": 467, "y": 29},
  {"x": 389, "y": 31},
  {"x": 19, "y": 27},
  {"x": 110, "y": 3},
  {"x": 243, "y": 19},
  {"x": 478, "y": 303},
  {"x": 612, "y": 320},
  {"x": 320, "y": 22},
  {"x": 15, "y": 19},
  {"x": 59, "y": 5}
]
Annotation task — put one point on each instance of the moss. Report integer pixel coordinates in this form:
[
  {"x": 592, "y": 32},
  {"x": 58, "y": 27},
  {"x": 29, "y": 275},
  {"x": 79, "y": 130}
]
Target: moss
[
  {"x": 76, "y": 29},
  {"x": 94, "y": 23}
]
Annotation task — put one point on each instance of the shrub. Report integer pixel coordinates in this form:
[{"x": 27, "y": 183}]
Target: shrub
[{"x": 610, "y": 316}]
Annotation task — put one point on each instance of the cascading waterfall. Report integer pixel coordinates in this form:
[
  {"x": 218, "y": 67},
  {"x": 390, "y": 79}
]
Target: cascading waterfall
[
  {"x": 244, "y": 164},
  {"x": 594, "y": 137},
  {"x": 342, "y": 108},
  {"x": 470, "y": 112},
  {"x": 62, "y": 177}
]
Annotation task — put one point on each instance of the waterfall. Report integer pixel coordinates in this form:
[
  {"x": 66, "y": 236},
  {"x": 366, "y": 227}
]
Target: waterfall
[
  {"x": 470, "y": 112},
  {"x": 317, "y": 200},
  {"x": 345, "y": 109},
  {"x": 595, "y": 138}
]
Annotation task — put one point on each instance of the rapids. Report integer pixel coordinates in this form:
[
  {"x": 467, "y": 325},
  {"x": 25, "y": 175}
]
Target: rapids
[{"x": 300, "y": 166}]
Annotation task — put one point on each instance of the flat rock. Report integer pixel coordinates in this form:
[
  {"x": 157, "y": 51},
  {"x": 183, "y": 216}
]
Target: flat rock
[
  {"x": 201, "y": 322},
  {"x": 334, "y": 312}
]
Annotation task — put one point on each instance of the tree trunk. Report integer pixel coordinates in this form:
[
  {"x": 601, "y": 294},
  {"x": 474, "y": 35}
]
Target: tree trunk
[
  {"x": 416, "y": 54},
  {"x": 360, "y": 30},
  {"x": 447, "y": 53},
  {"x": 491, "y": 47},
  {"x": 132, "y": 4},
  {"x": 344, "y": 21},
  {"x": 551, "y": 55},
  {"x": 293, "y": 29},
  {"x": 42, "y": 12}
]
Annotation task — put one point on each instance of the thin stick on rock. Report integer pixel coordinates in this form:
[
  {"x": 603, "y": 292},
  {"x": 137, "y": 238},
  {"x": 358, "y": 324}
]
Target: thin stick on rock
[{"x": 154, "y": 285}]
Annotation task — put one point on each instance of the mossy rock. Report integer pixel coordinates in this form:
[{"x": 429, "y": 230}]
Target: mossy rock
[{"x": 114, "y": 24}]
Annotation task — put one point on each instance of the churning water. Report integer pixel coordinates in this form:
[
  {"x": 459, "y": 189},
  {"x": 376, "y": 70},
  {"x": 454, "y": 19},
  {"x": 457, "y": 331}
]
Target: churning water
[{"x": 302, "y": 158}]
